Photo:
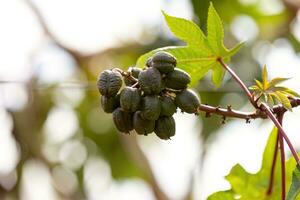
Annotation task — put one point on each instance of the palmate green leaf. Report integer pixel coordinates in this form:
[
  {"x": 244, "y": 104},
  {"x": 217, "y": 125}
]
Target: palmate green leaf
[
  {"x": 187, "y": 31},
  {"x": 202, "y": 52},
  {"x": 247, "y": 186},
  {"x": 215, "y": 31},
  {"x": 295, "y": 186},
  {"x": 224, "y": 195}
]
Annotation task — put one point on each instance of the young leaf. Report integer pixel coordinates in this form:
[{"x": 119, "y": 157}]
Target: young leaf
[
  {"x": 277, "y": 81},
  {"x": 265, "y": 82},
  {"x": 284, "y": 100},
  {"x": 295, "y": 186}
]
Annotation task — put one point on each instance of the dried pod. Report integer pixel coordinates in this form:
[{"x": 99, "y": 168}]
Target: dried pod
[
  {"x": 188, "y": 101},
  {"x": 165, "y": 127},
  {"x": 142, "y": 126},
  {"x": 168, "y": 106},
  {"x": 109, "y": 104},
  {"x": 130, "y": 99},
  {"x": 150, "y": 108},
  {"x": 150, "y": 81},
  {"x": 109, "y": 83},
  {"x": 177, "y": 79},
  {"x": 123, "y": 120},
  {"x": 164, "y": 62}
]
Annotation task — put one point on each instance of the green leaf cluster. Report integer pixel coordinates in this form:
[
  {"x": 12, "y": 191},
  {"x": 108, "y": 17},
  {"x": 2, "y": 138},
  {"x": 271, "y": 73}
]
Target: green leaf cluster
[
  {"x": 201, "y": 52},
  {"x": 270, "y": 93},
  {"x": 247, "y": 186}
]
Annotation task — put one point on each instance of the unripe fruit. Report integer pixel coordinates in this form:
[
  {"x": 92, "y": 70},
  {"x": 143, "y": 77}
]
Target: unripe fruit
[
  {"x": 130, "y": 99},
  {"x": 168, "y": 106},
  {"x": 150, "y": 108},
  {"x": 188, "y": 101},
  {"x": 177, "y": 79},
  {"x": 109, "y": 104},
  {"x": 165, "y": 127},
  {"x": 109, "y": 83},
  {"x": 150, "y": 81},
  {"x": 122, "y": 120},
  {"x": 164, "y": 62},
  {"x": 142, "y": 126},
  {"x": 135, "y": 72}
]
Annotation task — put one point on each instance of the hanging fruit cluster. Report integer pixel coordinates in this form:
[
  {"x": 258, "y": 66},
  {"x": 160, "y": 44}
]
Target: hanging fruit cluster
[{"x": 150, "y": 97}]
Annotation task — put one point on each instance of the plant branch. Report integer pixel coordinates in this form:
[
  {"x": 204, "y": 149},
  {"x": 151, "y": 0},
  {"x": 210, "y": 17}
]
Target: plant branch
[
  {"x": 239, "y": 81},
  {"x": 282, "y": 157},
  {"x": 270, "y": 114},
  {"x": 228, "y": 112},
  {"x": 271, "y": 181}
]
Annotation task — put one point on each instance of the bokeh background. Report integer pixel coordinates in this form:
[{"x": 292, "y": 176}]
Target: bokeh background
[{"x": 57, "y": 144}]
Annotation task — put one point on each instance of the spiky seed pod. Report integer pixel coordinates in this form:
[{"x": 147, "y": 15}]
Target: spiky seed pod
[
  {"x": 168, "y": 106},
  {"x": 142, "y": 126},
  {"x": 177, "y": 79},
  {"x": 109, "y": 83},
  {"x": 150, "y": 81},
  {"x": 130, "y": 99},
  {"x": 165, "y": 127},
  {"x": 164, "y": 62},
  {"x": 109, "y": 104},
  {"x": 150, "y": 108},
  {"x": 188, "y": 101},
  {"x": 123, "y": 120}
]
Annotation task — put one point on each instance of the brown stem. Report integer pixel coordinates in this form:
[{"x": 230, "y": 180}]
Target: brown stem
[
  {"x": 239, "y": 81},
  {"x": 266, "y": 108},
  {"x": 282, "y": 156},
  {"x": 271, "y": 181}
]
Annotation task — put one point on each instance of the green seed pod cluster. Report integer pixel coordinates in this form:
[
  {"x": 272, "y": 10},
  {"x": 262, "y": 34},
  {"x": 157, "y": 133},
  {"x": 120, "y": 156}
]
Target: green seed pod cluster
[{"x": 149, "y": 98}]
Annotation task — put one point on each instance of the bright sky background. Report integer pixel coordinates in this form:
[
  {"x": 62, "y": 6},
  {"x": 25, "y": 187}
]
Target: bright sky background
[{"x": 95, "y": 25}]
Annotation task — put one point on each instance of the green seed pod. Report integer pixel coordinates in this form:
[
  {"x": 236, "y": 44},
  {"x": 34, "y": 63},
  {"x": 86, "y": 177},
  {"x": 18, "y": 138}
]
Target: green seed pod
[
  {"x": 109, "y": 83},
  {"x": 135, "y": 72},
  {"x": 130, "y": 99},
  {"x": 168, "y": 106},
  {"x": 164, "y": 62},
  {"x": 188, "y": 101},
  {"x": 165, "y": 127},
  {"x": 109, "y": 104},
  {"x": 150, "y": 108},
  {"x": 149, "y": 62},
  {"x": 122, "y": 120},
  {"x": 142, "y": 126},
  {"x": 150, "y": 81},
  {"x": 177, "y": 79}
]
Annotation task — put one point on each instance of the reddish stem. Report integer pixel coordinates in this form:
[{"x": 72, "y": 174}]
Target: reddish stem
[
  {"x": 282, "y": 155},
  {"x": 281, "y": 131},
  {"x": 271, "y": 182},
  {"x": 239, "y": 81}
]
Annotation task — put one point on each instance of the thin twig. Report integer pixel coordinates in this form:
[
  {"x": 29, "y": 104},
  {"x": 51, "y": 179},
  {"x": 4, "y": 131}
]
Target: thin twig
[{"x": 239, "y": 81}]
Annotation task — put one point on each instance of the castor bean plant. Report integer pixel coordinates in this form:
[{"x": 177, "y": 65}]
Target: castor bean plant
[{"x": 161, "y": 83}]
